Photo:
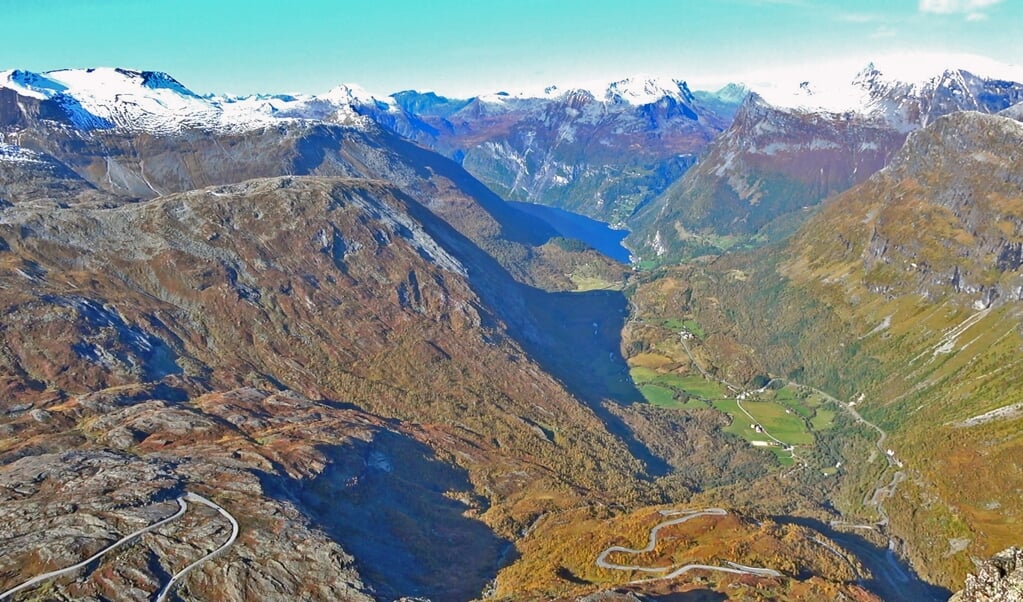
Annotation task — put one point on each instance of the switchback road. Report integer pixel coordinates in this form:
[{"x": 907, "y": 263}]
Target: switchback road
[
  {"x": 177, "y": 577},
  {"x": 174, "y": 580},
  {"x": 75, "y": 567},
  {"x": 672, "y": 572}
]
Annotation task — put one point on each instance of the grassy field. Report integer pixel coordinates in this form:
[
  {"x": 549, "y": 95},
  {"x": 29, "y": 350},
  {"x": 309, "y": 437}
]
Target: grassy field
[
  {"x": 781, "y": 422},
  {"x": 643, "y": 374},
  {"x": 779, "y": 419},
  {"x": 693, "y": 327},
  {"x": 701, "y": 387},
  {"x": 790, "y": 414},
  {"x": 823, "y": 419},
  {"x": 673, "y": 324},
  {"x": 806, "y": 404},
  {"x": 784, "y": 456},
  {"x": 694, "y": 386},
  {"x": 741, "y": 424},
  {"x": 660, "y": 396},
  {"x": 594, "y": 283}
]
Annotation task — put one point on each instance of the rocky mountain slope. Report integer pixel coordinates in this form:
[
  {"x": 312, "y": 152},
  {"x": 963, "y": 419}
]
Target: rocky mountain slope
[
  {"x": 209, "y": 336},
  {"x": 901, "y": 297},
  {"x": 784, "y": 155},
  {"x": 598, "y": 152},
  {"x": 1000, "y": 578}
]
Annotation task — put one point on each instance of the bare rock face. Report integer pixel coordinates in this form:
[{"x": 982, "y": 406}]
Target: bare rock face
[
  {"x": 997, "y": 580},
  {"x": 75, "y": 500},
  {"x": 31, "y": 176},
  {"x": 316, "y": 355},
  {"x": 961, "y": 176}
]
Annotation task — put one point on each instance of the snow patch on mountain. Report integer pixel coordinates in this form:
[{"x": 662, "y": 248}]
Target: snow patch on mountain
[
  {"x": 156, "y": 103},
  {"x": 639, "y": 90},
  {"x": 10, "y": 153},
  {"x": 868, "y": 88},
  {"x": 646, "y": 90},
  {"x": 264, "y": 109},
  {"x": 353, "y": 94}
]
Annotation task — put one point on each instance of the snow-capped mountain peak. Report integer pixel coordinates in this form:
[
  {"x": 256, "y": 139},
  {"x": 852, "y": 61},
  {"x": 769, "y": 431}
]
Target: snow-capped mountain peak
[
  {"x": 100, "y": 84},
  {"x": 637, "y": 91},
  {"x": 156, "y": 103},
  {"x": 646, "y": 90},
  {"x": 355, "y": 95},
  {"x": 117, "y": 98},
  {"x": 883, "y": 86}
]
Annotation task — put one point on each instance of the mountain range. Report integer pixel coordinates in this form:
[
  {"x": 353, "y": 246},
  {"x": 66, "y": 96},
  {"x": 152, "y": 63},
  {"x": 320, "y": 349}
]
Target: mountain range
[
  {"x": 350, "y": 246},
  {"x": 320, "y": 313},
  {"x": 777, "y": 160}
]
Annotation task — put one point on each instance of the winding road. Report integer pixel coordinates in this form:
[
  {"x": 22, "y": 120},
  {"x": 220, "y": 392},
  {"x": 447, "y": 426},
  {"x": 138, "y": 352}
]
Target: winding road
[
  {"x": 891, "y": 577},
  {"x": 75, "y": 567},
  {"x": 177, "y": 577},
  {"x": 677, "y": 571},
  {"x": 882, "y": 491},
  {"x": 182, "y": 507}
]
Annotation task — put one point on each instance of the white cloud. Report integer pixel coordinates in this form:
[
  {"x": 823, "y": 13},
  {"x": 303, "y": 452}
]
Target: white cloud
[{"x": 973, "y": 9}]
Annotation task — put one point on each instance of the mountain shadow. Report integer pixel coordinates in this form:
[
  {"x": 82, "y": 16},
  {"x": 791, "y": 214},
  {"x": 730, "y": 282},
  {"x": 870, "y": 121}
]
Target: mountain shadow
[
  {"x": 574, "y": 336},
  {"x": 579, "y": 343},
  {"x": 891, "y": 577},
  {"x": 516, "y": 225},
  {"x": 401, "y": 513},
  {"x": 332, "y": 150}
]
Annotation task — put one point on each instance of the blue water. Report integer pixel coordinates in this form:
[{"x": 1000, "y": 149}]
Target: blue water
[{"x": 597, "y": 234}]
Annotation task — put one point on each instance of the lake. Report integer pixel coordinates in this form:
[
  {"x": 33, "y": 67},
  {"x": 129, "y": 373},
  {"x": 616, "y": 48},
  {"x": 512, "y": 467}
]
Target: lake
[{"x": 597, "y": 234}]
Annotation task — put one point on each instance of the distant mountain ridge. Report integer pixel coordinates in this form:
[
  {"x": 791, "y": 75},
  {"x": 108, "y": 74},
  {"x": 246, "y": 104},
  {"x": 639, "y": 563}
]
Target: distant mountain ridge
[
  {"x": 792, "y": 150},
  {"x": 156, "y": 103},
  {"x": 617, "y": 151},
  {"x": 599, "y": 150}
]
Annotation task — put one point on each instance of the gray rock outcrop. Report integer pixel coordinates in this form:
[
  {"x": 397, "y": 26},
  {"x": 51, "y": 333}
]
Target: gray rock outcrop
[{"x": 997, "y": 580}]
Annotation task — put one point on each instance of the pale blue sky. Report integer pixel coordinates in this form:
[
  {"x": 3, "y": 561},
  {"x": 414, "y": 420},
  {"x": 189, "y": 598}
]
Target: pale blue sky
[{"x": 462, "y": 46}]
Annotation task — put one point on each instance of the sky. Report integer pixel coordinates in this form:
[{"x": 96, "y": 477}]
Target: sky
[{"x": 465, "y": 47}]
